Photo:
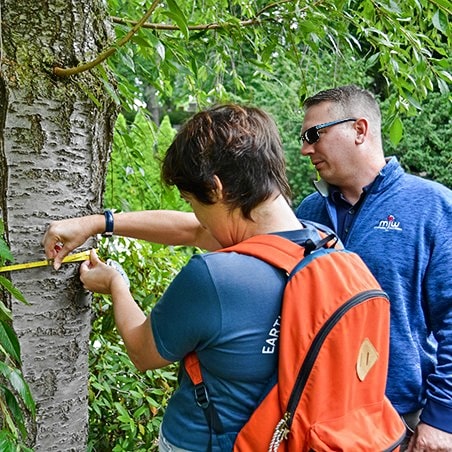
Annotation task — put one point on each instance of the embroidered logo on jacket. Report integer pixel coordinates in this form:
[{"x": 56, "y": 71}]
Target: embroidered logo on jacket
[{"x": 389, "y": 224}]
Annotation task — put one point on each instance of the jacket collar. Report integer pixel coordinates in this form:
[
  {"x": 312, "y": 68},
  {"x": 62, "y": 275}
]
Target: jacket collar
[{"x": 386, "y": 177}]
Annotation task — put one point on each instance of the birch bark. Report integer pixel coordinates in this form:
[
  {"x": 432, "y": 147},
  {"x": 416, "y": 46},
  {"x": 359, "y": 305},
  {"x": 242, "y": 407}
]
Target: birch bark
[{"x": 55, "y": 137}]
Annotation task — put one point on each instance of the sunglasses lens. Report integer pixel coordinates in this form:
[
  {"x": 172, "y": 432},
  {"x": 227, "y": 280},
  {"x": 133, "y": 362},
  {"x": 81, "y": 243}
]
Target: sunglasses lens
[{"x": 311, "y": 135}]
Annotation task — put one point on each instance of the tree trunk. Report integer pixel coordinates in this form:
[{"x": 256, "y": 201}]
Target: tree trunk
[{"x": 54, "y": 144}]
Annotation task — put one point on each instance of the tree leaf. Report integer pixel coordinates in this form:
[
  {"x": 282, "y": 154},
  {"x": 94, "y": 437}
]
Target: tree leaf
[
  {"x": 5, "y": 253},
  {"x": 14, "y": 291},
  {"x": 6, "y": 418},
  {"x": 396, "y": 131},
  {"x": 439, "y": 21},
  {"x": 5, "y": 313},
  {"x": 178, "y": 16},
  {"x": 15, "y": 410},
  {"x": 15, "y": 378},
  {"x": 8, "y": 340}
]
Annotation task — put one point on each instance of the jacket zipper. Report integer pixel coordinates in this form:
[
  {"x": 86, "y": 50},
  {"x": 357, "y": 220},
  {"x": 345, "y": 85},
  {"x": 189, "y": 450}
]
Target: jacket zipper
[{"x": 317, "y": 343}]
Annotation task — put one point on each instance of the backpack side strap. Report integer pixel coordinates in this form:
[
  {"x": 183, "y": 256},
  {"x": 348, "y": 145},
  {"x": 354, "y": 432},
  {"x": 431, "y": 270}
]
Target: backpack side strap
[{"x": 193, "y": 369}]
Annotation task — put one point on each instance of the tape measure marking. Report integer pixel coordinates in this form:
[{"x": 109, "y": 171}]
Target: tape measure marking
[{"x": 76, "y": 257}]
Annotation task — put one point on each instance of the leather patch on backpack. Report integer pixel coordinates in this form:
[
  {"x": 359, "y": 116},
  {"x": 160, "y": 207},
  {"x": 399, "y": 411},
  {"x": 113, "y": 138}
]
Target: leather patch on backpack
[{"x": 367, "y": 357}]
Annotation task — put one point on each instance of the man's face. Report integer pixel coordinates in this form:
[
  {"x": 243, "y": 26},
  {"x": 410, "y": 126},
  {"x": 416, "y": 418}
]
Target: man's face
[{"x": 334, "y": 151}]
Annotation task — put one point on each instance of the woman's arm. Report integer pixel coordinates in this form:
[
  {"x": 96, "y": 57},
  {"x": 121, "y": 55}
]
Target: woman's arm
[
  {"x": 168, "y": 227},
  {"x": 133, "y": 326}
]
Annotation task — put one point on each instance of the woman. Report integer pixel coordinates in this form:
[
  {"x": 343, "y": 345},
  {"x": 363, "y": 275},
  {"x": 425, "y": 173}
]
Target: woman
[{"x": 228, "y": 163}]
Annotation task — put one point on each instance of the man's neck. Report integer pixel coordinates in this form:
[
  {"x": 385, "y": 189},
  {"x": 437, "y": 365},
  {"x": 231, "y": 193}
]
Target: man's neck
[
  {"x": 352, "y": 191},
  {"x": 352, "y": 194}
]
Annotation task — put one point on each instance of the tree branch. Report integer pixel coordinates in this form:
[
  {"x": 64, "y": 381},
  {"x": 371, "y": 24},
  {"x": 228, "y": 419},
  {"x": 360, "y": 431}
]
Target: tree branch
[
  {"x": 62, "y": 72},
  {"x": 66, "y": 72},
  {"x": 211, "y": 26}
]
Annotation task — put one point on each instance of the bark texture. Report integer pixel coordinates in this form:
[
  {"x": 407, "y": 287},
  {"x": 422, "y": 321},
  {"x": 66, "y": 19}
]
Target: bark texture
[{"x": 54, "y": 146}]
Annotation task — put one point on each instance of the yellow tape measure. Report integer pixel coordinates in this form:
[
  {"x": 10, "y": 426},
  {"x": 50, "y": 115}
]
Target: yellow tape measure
[{"x": 76, "y": 257}]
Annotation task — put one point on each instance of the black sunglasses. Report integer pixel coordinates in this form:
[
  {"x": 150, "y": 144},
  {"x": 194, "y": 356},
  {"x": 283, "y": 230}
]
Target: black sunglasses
[{"x": 312, "y": 135}]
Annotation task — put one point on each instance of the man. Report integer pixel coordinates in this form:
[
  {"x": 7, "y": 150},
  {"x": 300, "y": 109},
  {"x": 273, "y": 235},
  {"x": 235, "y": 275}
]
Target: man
[{"x": 401, "y": 226}]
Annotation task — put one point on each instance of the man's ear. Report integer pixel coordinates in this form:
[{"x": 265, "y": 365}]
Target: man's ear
[
  {"x": 217, "y": 192},
  {"x": 361, "y": 127}
]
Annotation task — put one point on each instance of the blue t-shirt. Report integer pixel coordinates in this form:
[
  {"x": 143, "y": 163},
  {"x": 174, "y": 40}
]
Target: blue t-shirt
[{"x": 226, "y": 306}]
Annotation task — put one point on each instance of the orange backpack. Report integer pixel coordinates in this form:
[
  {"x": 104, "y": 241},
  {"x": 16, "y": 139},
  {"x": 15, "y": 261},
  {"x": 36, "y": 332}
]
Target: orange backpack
[{"x": 333, "y": 357}]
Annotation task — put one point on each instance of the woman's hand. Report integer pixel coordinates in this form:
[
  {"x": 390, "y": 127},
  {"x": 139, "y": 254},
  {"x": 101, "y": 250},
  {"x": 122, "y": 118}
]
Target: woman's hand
[
  {"x": 99, "y": 277},
  {"x": 64, "y": 236},
  {"x": 133, "y": 326}
]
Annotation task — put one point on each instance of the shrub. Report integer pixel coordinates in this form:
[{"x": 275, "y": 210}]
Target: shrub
[
  {"x": 17, "y": 406},
  {"x": 126, "y": 406}
]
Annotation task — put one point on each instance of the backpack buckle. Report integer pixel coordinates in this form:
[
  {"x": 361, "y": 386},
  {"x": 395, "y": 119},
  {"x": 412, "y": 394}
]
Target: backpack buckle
[{"x": 201, "y": 395}]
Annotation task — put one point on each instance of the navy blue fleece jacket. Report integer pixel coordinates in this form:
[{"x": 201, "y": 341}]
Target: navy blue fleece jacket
[{"x": 403, "y": 231}]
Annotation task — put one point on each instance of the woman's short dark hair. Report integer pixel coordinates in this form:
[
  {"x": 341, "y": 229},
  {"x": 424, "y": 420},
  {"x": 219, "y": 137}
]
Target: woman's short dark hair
[{"x": 240, "y": 145}]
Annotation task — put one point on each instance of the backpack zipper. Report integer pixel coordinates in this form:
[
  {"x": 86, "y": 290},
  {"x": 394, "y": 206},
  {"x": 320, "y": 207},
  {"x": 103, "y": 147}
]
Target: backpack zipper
[
  {"x": 396, "y": 444},
  {"x": 314, "y": 350}
]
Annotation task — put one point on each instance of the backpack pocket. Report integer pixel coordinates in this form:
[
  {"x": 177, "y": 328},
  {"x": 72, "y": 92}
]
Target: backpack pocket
[{"x": 343, "y": 434}]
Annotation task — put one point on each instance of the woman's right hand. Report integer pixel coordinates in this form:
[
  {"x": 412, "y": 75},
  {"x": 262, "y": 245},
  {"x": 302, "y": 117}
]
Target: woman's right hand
[{"x": 96, "y": 276}]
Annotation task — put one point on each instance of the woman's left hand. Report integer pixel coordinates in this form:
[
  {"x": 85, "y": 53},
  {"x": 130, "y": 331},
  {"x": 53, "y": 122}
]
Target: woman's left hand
[{"x": 99, "y": 277}]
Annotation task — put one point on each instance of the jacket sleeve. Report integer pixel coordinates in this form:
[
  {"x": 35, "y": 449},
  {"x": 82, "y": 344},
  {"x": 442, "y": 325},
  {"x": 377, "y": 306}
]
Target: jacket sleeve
[{"x": 438, "y": 293}]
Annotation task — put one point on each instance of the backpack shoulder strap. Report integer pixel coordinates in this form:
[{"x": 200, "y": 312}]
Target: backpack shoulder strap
[
  {"x": 273, "y": 249},
  {"x": 279, "y": 251}
]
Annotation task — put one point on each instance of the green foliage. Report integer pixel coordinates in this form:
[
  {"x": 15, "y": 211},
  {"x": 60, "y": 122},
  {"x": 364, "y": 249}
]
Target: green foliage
[
  {"x": 199, "y": 54},
  {"x": 126, "y": 406},
  {"x": 426, "y": 146},
  {"x": 194, "y": 51},
  {"x": 133, "y": 180},
  {"x": 416, "y": 35},
  {"x": 16, "y": 400}
]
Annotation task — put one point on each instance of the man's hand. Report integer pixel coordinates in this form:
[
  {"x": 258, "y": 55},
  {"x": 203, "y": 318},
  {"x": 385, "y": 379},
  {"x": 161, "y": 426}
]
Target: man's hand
[{"x": 429, "y": 439}]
